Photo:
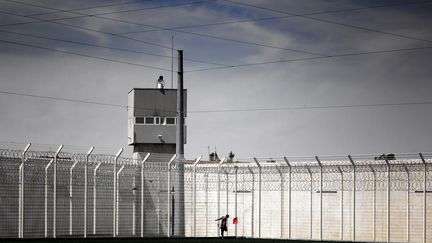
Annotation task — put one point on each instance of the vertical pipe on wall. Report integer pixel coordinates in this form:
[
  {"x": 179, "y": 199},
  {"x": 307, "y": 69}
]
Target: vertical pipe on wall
[
  {"x": 55, "y": 192},
  {"x": 142, "y": 194},
  {"x": 354, "y": 197},
  {"x": 169, "y": 199},
  {"x": 259, "y": 197},
  {"x": 85, "y": 189},
  {"x": 289, "y": 198},
  {"x": 46, "y": 197},
  {"x": 115, "y": 191}
]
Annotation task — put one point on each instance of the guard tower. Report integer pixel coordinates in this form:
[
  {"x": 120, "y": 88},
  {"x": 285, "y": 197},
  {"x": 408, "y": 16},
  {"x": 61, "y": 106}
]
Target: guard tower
[{"x": 152, "y": 120}]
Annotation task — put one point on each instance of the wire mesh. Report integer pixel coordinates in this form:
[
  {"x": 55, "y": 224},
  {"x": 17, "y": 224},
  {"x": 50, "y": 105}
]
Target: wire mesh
[{"x": 331, "y": 198}]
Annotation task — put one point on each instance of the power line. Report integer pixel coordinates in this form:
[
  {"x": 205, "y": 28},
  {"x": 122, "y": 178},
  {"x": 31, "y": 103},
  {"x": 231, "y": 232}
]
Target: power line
[
  {"x": 169, "y": 29},
  {"x": 87, "y": 8},
  {"x": 107, "y": 47},
  {"x": 314, "y": 58},
  {"x": 227, "y": 110},
  {"x": 85, "y": 55},
  {"x": 330, "y": 22},
  {"x": 280, "y": 17}
]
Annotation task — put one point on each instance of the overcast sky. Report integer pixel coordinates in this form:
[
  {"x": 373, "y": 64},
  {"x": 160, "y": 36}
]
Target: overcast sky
[{"x": 286, "y": 107}]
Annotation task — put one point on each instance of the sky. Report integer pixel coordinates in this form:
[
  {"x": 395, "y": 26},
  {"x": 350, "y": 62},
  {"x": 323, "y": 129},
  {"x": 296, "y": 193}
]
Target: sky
[{"x": 264, "y": 78}]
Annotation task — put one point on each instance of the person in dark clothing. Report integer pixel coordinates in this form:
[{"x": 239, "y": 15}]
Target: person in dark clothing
[{"x": 223, "y": 224}]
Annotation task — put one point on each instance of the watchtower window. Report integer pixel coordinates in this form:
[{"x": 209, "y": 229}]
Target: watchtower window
[
  {"x": 149, "y": 120},
  {"x": 139, "y": 120},
  {"x": 170, "y": 121}
]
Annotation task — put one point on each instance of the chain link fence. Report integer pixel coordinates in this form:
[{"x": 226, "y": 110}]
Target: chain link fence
[{"x": 353, "y": 198}]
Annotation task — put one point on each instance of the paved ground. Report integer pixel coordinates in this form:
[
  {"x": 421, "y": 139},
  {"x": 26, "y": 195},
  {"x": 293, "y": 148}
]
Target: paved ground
[{"x": 157, "y": 240}]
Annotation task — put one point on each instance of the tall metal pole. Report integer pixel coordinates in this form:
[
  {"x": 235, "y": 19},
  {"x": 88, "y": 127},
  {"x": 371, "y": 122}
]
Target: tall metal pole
[
  {"x": 95, "y": 196},
  {"x": 169, "y": 198},
  {"x": 115, "y": 190},
  {"x": 55, "y": 192},
  {"x": 194, "y": 194},
  {"x": 70, "y": 197},
  {"x": 85, "y": 190},
  {"x": 341, "y": 204},
  {"x": 218, "y": 192},
  {"x": 424, "y": 196},
  {"x": 46, "y": 197},
  {"x": 354, "y": 197},
  {"x": 21, "y": 193},
  {"x": 311, "y": 206},
  {"x": 259, "y": 197},
  {"x": 388, "y": 197},
  {"x": 289, "y": 200},
  {"x": 321, "y": 195},
  {"x": 179, "y": 214},
  {"x": 142, "y": 194}
]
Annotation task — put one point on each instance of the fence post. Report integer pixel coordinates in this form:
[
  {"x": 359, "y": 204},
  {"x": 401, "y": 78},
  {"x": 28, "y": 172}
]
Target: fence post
[
  {"x": 169, "y": 197},
  {"x": 115, "y": 190},
  {"x": 289, "y": 200},
  {"x": 85, "y": 190},
  {"x": 46, "y": 196},
  {"x": 55, "y": 192},
  {"x": 341, "y": 204},
  {"x": 424, "y": 196},
  {"x": 142, "y": 193},
  {"x": 373, "y": 202},
  {"x": 206, "y": 203},
  {"x": 194, "y": 194},
  {"x": 408, "y": 203},
  {"x": 311, "y": 208},
  {"x": 218, "y": 192},
  {"x": 252, "y": 201},
  {"x": 281, "y": 201},
  {"x": 117, "y": 201},
  {"x": 388, "y": 197},
  {"x": 70, "y": 196},
  {"x": 259, "y": 197},
  {"x": 354, "y": 197},
  {"x": 95, "y": 196},
  {"x": 21, "y": 193},
  {"x": 321, "y": 194},
  {"x": 235, "y": 199}
]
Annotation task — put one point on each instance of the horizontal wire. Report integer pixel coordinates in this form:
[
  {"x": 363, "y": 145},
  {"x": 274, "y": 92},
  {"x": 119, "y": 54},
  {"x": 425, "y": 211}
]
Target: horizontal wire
[
  {"x": 108, "y": 47},
  {"x": 331, "y": 22},
  {"x": 228, "y": 110},
  {"x": 175, "y": 30},
  {"x": 314, "y": 58},
  {"x": 84, "y": 55}
]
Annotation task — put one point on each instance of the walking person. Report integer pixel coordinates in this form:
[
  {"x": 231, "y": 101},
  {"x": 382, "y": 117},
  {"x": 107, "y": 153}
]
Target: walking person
[{"x": 223, "y": 224}]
